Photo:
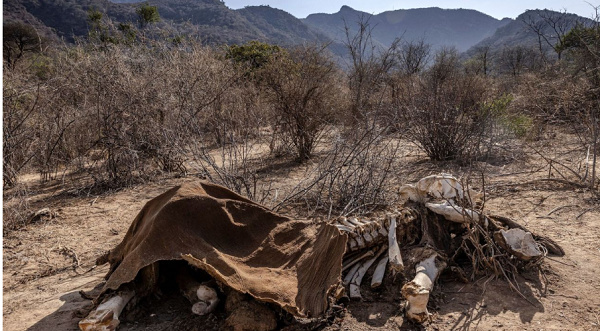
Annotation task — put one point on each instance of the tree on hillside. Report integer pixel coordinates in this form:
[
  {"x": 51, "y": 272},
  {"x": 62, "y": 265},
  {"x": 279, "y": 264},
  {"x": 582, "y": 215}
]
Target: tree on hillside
[
  {"x": 147, "y": 14},
  {"x": 19, "y": 39},
  {"x": 254, "y": 54},
  {"x": 550, "y": 28}
]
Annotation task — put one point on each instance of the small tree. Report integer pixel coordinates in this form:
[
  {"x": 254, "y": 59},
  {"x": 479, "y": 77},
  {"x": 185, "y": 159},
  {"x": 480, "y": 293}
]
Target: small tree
[
  {"x": 369, "y": 68},
  {"x": 254, "y": 54},
  {"x": 147, "y": 14},
  {"x": 442, "y": 111},
  {"x": 19, "y": 39},
  {"x": 302, "y": 87},
  {"x": 413, "y": 57}
]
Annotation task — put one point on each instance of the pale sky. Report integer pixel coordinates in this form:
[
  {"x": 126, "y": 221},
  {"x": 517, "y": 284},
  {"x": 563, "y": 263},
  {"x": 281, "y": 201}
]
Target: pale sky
[{"x": 495, "y": 8}]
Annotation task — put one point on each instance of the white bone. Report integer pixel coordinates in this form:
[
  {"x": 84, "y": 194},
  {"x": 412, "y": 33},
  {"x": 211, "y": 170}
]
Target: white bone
[
  {"x": 519, "y": 243},
  {"x": 343, "y": 228},
  {"x": 357, "y": 279},
  {"x": 357, "y": 259},
  {"x": 453, "y": 213},
  {"x": 351, "y": 274},
  {"x": 395, "y": 258},
  {"x": 106, "y": 316},
  {"x": 355, "y": 221},
  {"x": 379, "y": 272},
  {"x": 442, "y": 186},
  {"x": 409, "y": 192},
  {"x": 345, "y": 222},
  {"x": 208, "y": 300},
  {"x": 416, "y": 292}
]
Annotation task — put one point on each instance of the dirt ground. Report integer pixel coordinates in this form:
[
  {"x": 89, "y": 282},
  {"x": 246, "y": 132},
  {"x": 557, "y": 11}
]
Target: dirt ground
[{"x": 47, "y": 263}]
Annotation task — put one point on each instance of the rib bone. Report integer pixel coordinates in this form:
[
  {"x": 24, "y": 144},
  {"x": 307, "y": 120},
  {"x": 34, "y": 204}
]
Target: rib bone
[
  {"x": 357, "y": 279},
  {"x": 357, "y": 259},
  {"x": 379, "y": 272},
  {"x": 395, "y": 258},
  {"x": 351, "y": 274}
]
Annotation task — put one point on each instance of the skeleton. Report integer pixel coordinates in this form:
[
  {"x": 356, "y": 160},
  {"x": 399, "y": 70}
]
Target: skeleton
[
  {"x": 377, "y": 242},
  {"x": 442, "y": 195}
]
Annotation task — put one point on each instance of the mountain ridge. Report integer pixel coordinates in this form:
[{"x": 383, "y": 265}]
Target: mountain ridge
[{"x": 215, "y": 23}]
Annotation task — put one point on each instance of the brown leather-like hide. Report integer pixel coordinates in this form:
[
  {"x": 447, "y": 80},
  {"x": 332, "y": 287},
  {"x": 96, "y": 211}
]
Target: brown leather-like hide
[{"x": 291, "y": 263}]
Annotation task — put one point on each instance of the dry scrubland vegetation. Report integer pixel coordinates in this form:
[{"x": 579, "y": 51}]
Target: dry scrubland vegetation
[{"x": 290, "y": 128}]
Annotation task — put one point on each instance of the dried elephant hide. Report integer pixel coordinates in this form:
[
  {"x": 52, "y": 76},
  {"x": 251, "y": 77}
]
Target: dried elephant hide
[{"x": 241, "y": 244}]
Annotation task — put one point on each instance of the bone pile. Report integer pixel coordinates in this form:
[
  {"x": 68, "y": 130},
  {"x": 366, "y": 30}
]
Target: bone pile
[
  {"x": 369, "y": 239},
  {"x": 377, "y": 236}
]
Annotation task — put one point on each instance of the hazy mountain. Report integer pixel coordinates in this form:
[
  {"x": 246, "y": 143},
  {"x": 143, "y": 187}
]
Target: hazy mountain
[
  {"x": 461, "y": 28},
  {"x": 520, "y": 33},
  {"x": 214, "y": 23},
  {"x": 280, "y": 26}
]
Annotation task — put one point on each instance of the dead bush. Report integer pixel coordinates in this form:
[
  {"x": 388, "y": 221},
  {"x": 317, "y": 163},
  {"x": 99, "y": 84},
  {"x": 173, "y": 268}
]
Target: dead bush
[
  {"x": 354, "y": 176},
  {"x": 302, "y": 87},
  {"x": 15, "y": 208},
  {"x": 442, "y": 111}
]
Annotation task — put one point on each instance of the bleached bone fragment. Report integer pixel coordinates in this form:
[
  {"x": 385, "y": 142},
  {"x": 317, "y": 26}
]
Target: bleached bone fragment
[
  {"x": 452, "y": 212},
  {"x": 345, "y": 222},
  {"x": 379, "y": 272},
  {"x": 204, "y": 299},
  {"x": 357, "y": 279},
  {"x": 357, "y": 235},
  {"x": 350, "y": 274},
  {"x": 343, "y": 228},
  {"x": 106, "y": 316},
  {"x": 357, "y": 259},
  {"x": 395, "y": 258},
  {"x": 519, "y": 243},
  {"x": 208, "y": 300},
  {"x": 416, "y": 292},
  {"x": 442, "y": 186},
  {"x": 409, "y": 192},
  {"x": 355, "y": 221}
]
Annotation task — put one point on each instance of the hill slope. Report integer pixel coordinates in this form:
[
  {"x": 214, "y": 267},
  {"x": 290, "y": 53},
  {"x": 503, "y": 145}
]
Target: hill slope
[
  {"x": 211, "y": 20},
  {"x": 520, "y": 33},
  {"x": 461, "y": 28}
]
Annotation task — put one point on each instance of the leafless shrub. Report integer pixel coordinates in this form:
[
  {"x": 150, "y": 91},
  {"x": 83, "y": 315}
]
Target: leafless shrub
[
  {"x": 15, "y": 207},
  {"x": 443, "y": 110},
  {"x": 355, "y": 176},
  {"x": 369, "y": 68},
  {"x": 304, "y": 92},
  {"x": 19, "y": 103}
]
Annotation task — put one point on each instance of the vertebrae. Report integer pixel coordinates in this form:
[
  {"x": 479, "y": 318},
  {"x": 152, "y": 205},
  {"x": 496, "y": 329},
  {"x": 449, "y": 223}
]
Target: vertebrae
[{"x": 369, "y": 232}]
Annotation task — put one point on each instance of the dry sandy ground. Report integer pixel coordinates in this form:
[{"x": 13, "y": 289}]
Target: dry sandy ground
[{"x": 42, "y": 279}]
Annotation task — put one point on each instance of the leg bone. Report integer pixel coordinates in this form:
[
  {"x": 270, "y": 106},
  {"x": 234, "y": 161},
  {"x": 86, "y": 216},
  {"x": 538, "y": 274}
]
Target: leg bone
[
  {"x": 417, "y": 291},
  {"x": 106, "y": 316}
]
